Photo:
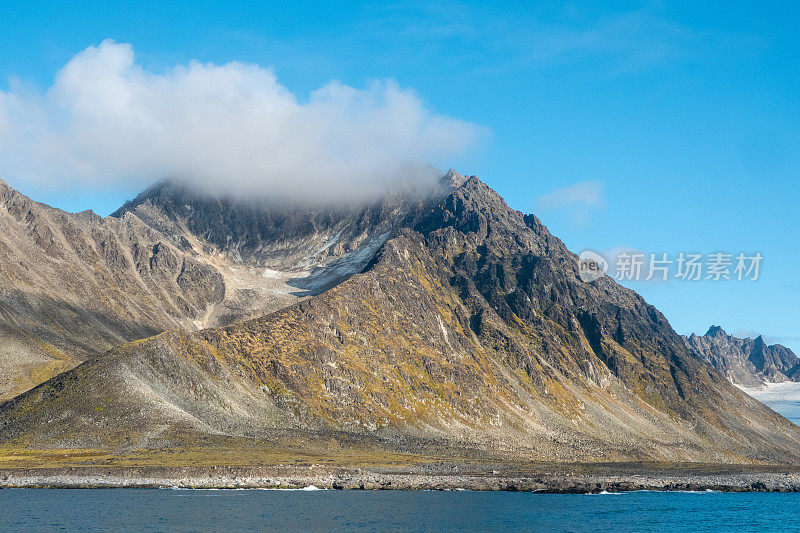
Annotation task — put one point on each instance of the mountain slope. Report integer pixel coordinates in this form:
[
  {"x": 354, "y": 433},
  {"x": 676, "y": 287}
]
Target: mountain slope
[
  {"x": 469, "y": 327},
  {"x": 76, "y": 285},
  {"x": 747, "y": 362}
]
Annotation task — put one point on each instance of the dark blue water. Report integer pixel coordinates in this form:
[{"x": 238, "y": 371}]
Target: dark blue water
[{"x": 193, "y": 510}]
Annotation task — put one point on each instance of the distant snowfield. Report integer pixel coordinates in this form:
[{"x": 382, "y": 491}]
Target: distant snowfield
[
  {"x": 775, "y": 392},
  {"x": 783, "y": 398}
]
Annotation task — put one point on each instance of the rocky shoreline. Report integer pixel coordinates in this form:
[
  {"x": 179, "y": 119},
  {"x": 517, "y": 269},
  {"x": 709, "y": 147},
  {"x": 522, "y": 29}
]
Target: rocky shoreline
[{"x": 296, "y": 478}]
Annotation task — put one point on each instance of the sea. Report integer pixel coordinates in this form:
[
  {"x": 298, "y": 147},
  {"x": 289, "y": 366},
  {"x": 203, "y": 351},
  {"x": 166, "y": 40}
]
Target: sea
[{"x": 329, "y": 510}]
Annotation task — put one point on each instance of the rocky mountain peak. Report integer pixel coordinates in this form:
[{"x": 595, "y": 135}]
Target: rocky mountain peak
[
  {"x": 453, "y": 179},
  {"x": 281, "y": 234},
  {"x": 745, "y": 361}
]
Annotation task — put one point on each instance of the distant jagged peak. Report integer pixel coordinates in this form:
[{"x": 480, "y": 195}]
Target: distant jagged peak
[
  {"x": 747, "y": 361},
  {"x": 756, "y": 340}
]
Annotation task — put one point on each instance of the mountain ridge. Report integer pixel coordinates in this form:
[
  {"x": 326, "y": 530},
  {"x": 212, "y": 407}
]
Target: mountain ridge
[
  {"x": 467, "y": 326},
  {"x": 77, "y": 284},
  {"x": 747, "y": 362}
]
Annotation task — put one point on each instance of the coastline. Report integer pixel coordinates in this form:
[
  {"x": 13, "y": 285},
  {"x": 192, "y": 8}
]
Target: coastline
[{"x": 785, "y": 479}]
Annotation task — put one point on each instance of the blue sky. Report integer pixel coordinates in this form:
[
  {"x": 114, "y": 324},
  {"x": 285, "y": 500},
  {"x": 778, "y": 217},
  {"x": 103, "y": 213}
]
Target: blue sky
[{"x": 679, "y": 123}]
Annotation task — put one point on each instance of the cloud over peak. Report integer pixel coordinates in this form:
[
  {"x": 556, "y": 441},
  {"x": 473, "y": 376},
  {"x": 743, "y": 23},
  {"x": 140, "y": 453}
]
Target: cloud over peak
[{"x": 229, "y": 129}]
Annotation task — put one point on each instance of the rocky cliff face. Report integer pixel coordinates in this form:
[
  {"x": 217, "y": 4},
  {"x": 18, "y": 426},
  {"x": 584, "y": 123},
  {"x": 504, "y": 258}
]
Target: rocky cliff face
[
  {"x": 747, "y": 362},
  {"x": 466, "y": 326}
]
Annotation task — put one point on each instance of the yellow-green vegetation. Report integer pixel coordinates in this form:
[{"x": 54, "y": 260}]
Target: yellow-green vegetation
[
  {"x": 224, "y": 456},
  {"x": 366, "y": 361},
  {"x": 46, "y": 362}
]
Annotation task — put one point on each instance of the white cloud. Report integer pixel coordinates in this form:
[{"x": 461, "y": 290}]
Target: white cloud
[
  {"x": 584, "y": 194},
  {"x": 229, "y": 128},
  {"x": 577, "y": 200}
]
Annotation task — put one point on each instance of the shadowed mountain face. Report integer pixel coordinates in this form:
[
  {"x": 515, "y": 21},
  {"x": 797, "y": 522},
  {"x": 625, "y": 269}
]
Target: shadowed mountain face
[
  {"x": 462, "y": 322},
  {"x": 747, "y": 362}
]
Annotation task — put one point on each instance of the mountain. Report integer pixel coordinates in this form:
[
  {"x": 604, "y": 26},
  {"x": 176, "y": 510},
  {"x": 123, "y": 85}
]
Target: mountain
[
  {"x": 448, "y": 324},
  {"x": 747, "y": 362},
  {"x": 76, "y": 285}
]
